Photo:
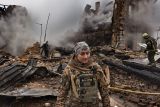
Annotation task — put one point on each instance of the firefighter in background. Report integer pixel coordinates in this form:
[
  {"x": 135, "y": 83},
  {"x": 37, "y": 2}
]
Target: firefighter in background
[
  {"x": 84, "y": 81},
  {"x": 151, "y": 48},
  {"x": 45, "y": 49}
]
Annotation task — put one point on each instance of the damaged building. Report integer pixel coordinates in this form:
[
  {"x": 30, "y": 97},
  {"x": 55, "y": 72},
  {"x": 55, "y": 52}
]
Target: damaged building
[
  {"x": 116, "y": 23},
  {"x": 95, "y": 23},
  {"x": 30, "y": 80}
]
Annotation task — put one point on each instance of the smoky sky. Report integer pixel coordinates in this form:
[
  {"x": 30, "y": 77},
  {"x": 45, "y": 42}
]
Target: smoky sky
[
  {"x": 147, "y": 16},
  {"x": 156, "y": 14},
  {"x": 64, "y": 15}
]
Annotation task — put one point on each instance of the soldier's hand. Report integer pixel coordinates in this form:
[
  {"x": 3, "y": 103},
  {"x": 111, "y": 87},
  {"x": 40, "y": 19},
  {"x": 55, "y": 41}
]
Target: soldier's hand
[{"x": 145, "y": 51}]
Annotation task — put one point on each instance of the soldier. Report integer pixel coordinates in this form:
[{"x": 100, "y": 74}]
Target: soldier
[
  {"x": 45, "y": 49},
  {"x": 150, "y": 49},
  {"x": 84, "y": 81}
]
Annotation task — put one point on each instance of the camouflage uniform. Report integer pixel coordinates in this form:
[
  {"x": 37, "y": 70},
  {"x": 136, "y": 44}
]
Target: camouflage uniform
[
  {"x": 151, "y": 48},
  {"x": 69, "y": 86}
]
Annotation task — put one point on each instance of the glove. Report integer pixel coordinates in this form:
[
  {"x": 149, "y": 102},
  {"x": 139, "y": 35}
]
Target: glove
[{"x": 145, "y": 51}]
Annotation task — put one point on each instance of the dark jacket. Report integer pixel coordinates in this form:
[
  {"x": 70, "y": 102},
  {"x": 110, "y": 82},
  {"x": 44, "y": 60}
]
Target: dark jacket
[{"x": 151, "y": 44}]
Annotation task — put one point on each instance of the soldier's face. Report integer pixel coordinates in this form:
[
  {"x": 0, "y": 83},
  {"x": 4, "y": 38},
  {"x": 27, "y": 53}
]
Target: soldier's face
[{"x": 84, "y": 56}]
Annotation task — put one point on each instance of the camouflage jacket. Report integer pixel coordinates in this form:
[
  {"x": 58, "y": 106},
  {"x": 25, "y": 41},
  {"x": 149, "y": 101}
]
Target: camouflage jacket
[
  {"x": 151, "y": 44},
  {"x": 68, "y": 85}
]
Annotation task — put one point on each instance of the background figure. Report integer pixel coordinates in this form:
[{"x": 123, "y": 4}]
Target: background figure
[
  {"x": 45, "y": 49},
  {"x": 151, "y": 48}
]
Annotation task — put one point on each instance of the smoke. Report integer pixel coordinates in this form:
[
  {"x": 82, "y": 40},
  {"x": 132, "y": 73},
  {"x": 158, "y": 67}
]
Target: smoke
[
  {"x": 15, "y": 31},
  {"x": 156, "y": 18},
  {"x": 143, "y": 17},
  {"x": 64, "y": 15},
  {"x": 146, "y": 12},
  {"x": 93, "y": 19}
]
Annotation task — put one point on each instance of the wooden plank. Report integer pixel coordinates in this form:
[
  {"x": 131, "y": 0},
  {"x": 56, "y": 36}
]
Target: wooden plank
[
  {"x": 147, "y": 75},
  {"x": 141, "y": 65}
]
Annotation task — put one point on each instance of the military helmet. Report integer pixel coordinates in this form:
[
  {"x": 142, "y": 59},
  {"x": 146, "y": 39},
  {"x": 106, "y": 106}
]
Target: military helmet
[{"x": 145, "y": 35}]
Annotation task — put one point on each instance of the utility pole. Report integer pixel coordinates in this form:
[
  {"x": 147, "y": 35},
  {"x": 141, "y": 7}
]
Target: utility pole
[
  {"x": 41, "y": 33},
  {"x": 46, "y": 28},
  {"x": 158, "y": 33}
]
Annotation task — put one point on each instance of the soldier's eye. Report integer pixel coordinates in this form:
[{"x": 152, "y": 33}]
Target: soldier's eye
[{"x": 83, "y": 53}]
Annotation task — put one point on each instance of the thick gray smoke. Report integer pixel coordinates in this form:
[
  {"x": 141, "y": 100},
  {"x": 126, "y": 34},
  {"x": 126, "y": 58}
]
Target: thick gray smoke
[
  {"x": 64, "y": 17},
  {"x": 156, "y": 18},
  {"x": 144, "y": 17},
  {"x": 15, "y": 31},
  {"x": 92, "y": 19}
]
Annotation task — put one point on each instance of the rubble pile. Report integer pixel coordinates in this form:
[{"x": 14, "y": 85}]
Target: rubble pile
[
  {"x": 127, "y": 80},
  {"x": 35, "y": 49},
  {"x": 47, "y": 77},
  {"x": 30, "y": 52}
]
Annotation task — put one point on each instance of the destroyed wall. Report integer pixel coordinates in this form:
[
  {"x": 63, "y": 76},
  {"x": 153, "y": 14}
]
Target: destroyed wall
[
  {"x": 98, "y": 38},
  {"x": 95, "y": 27}
]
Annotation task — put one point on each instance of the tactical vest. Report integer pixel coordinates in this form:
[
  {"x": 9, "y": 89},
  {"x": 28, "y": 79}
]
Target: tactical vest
[
  {"x": 86, "y": 86},
  {"x": 154, "y": 43}
]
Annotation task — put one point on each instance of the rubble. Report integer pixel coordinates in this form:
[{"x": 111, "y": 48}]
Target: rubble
[
  {"x": 32, "y": 80},
  {"x": 47, "y": 78},
  {"x": 146, "y": 74}
]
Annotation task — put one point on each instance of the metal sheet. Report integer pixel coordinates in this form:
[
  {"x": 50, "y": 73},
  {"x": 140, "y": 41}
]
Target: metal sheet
[{"x": 36, "y": 92}]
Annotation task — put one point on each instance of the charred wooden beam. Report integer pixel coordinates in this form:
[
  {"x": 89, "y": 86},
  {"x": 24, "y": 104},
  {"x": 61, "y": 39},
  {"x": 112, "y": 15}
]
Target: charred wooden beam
[
  {"x": 142, "y": 66},
  {"x": 94, "y": 38},
  {"x": 147, "y": 75},
  {"x": 64, "y": 51}
]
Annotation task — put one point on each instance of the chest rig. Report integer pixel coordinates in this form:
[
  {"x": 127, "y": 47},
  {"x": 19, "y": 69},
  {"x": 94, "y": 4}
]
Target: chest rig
[{"x": 86, "y": 85}]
